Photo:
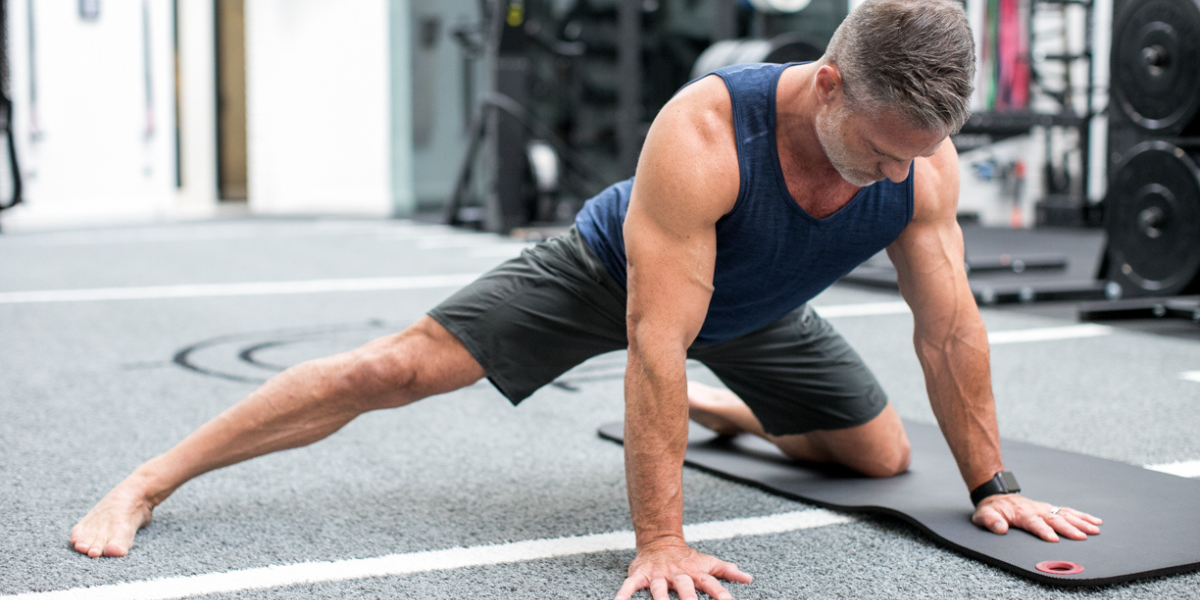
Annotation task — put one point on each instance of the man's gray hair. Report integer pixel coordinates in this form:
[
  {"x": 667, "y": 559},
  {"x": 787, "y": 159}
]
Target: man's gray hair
[{"x": 915, "y": 56}]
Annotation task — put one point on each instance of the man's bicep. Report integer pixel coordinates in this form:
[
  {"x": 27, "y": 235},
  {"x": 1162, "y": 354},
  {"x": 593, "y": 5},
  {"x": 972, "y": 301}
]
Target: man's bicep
[
  {"x": 670, "y": 271},
  {"x": 687, "y": 178}
]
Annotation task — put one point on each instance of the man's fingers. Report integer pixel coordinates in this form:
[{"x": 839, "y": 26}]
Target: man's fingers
[
  {"x": 684, "y": 587},
  {"x": 991, "y": 519},
  {"x": 1037, "y": 525},
  {"x": 658, "y": 588},
  {"x": 1063, "y": 527},
  {"x": 1080, "y": 523},
  {"x": 1082, "y": 515},
  {"x": 631, "y": 585},
  {"x": 730, "y": 572},
  {"x": 711, "y": 586}
]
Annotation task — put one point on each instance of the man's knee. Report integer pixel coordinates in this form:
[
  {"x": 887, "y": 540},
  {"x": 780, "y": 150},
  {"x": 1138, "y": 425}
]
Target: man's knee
[
  {"x": 891, "y": 461},
  {"x": 420, "y": 361}
]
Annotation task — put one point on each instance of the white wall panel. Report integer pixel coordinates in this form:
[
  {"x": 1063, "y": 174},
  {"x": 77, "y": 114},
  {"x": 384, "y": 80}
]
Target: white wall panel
[
  {"x": 318, "y": 108},
  {"x": 91, "y": 149},
  {"x": 198, "y": 109}
]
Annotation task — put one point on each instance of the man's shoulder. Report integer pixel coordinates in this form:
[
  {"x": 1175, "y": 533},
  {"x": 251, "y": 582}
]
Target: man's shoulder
[
  {"x": 707, "y": 105},
  {"x": 689, "y": 161}
]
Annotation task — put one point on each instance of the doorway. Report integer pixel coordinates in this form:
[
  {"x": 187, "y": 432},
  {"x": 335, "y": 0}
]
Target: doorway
[{"x": 231, "y": 100}]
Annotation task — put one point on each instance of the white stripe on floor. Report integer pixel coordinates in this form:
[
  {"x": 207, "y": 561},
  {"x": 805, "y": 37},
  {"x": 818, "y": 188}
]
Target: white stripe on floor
[
  {"x": 1040, "y": 334},
  {"x": 1190, "y": 376},
  {"x": 862, "y": 310},
  {"x": 434, "y": 560},
  {"x": 1190, "y": 468},
  {"x": 239, "y": 289},
  {"x": 1043, "y": 334}
]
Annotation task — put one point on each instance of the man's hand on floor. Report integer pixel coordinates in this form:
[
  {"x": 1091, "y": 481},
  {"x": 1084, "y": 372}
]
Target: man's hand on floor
[
  {"x": 675, "y": 566},
  {"x": 999, "y": 512}
]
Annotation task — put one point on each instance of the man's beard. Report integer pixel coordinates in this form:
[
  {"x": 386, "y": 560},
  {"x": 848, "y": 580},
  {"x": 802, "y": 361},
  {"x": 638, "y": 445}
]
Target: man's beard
[{"x": 831, "y": 135}]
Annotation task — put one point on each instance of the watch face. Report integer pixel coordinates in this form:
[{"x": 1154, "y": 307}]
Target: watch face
[{"x": 1009, "y": 481}]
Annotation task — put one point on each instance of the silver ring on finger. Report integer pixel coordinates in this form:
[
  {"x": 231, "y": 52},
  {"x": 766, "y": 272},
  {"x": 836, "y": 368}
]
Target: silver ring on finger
[{"x": 1054, "y": 510}]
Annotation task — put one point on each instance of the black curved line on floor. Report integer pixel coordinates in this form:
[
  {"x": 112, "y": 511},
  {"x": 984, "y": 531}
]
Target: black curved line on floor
[
  {"x": 183, "y": 357},
  {"x": 247, "y": 354}
]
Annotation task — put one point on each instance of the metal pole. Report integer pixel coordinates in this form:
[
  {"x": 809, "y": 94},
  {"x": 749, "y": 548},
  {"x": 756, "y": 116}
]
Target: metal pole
[{"x": 629, "y": 88}]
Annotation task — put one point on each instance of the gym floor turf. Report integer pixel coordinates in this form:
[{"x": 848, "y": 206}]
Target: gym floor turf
[{"x": 91, "y": 386}]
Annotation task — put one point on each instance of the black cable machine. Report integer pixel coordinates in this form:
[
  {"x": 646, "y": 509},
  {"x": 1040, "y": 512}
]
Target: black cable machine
[
  {"x": 522, "y": 171},
  {"x": 6, "y": 113}
]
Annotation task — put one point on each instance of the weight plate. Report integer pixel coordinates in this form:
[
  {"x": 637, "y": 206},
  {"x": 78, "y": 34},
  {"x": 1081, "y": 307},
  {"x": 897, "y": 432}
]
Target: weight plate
[
  {"x": 1156, "y": 64},
  {"x": 714, "y": 57},
  {"x": 792, "y": 48},
  {"x": 1153, "y": 221},
  {"x": 780, "y": 49},
  {"x": 750, "y": 51}
]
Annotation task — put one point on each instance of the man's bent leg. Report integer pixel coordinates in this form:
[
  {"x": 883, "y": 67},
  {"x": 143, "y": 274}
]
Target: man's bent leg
[
  {"x": 877, "y": 448},
  {"x": 295, "y": 408}
]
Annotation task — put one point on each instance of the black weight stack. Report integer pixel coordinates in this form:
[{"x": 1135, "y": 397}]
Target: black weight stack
[{"x": 1153, "y": 206}]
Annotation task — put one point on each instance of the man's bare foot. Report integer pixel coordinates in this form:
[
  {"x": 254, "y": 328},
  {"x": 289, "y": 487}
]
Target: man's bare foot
[
  {"x": 720, "y": 410},
  {"x": 108, "y": 529}
]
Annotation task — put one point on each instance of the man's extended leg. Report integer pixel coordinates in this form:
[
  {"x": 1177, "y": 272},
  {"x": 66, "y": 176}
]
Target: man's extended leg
[
  {"x": 877, "y": 448},
  {"x": 297, "y": 407}
]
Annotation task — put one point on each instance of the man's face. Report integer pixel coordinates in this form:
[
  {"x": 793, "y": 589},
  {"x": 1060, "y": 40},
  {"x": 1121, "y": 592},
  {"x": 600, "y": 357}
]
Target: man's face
[{"x": 868, "y": 147}]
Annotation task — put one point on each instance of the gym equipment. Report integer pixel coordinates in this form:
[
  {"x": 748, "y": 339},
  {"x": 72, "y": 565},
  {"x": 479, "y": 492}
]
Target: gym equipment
[
  {"x": 1150, "y": 518},
  {"x": 1155, "y": 53},
  {"x": 6, "y": 106},
  {"x": 1015, "y": 265},
  {"x": 1170, "y": 308},
  {"x": 1152, "y": 212},
  {"x": 780, "y": 49},
  {"x": 520, "y": 191},
  {"x": 776, "y": 6},
  {"x": 1153, "y": 221}
]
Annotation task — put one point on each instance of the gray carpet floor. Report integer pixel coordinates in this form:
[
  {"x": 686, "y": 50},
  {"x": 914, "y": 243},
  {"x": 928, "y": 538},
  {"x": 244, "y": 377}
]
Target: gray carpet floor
[{"x": 90, "y": 389}]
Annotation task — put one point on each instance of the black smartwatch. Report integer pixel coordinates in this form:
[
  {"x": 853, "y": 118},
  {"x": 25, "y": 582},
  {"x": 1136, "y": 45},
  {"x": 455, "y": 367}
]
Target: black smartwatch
[{"x": 1003, "y": 483}]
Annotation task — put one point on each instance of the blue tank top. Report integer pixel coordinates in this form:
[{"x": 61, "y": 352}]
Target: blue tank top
[{"x": 772, "y": 256}]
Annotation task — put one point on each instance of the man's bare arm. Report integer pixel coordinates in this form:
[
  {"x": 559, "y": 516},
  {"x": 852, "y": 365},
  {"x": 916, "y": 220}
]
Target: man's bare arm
[
  {"x": 687, "y": 179},
  {"x": 951, "y": 343}
]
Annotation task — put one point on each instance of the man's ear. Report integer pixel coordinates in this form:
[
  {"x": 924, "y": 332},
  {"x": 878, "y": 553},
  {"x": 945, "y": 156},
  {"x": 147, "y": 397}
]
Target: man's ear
[{"x": 829, "y": 84}]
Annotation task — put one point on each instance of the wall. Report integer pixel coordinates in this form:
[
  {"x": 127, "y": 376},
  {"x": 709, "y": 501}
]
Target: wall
[
  {"x": 439, "y": 109},
  {"x": 92, "y": 150},
  {"x": 318, "y": 107},
  {"x": 197, "y": 197}
]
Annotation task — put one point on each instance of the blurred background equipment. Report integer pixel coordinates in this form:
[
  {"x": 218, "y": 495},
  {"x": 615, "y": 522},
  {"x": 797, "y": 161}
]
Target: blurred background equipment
[
  {"x": 783, "y": 48},
  {"x": 1153, "y": 213},
  {"x": 10, "y": 195},
  {"x": 583, "y": 79}
]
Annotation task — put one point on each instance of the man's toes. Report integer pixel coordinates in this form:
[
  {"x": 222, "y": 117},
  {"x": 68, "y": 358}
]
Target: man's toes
[
  {"x": 95, "y": 551},
  {"x": 114, "y": 549}
]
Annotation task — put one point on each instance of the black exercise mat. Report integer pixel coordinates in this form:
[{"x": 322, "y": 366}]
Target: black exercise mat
[{"x": 1151, "y": 520}]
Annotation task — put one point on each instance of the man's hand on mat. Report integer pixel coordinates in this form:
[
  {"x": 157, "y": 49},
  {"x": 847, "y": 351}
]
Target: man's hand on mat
[
  {"x": 997, "y": 513},
  {"x": 676, "y": 566}
]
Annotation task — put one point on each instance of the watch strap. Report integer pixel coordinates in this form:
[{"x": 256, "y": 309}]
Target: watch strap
[{"x": 1003, "y": 482}]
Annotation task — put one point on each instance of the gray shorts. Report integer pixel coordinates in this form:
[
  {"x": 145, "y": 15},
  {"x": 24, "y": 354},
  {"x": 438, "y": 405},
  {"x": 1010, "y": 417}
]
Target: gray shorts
[{"x": 535, "y": 317}]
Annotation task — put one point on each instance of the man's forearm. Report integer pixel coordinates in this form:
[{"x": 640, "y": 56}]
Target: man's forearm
[
  {"x": 655, "y": 442},
  {"x": 958, "y": 378}
]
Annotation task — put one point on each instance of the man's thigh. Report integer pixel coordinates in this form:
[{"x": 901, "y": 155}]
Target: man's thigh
[
  {"x": 798, "y": 375},
  {"x": 534, "y": 317}
]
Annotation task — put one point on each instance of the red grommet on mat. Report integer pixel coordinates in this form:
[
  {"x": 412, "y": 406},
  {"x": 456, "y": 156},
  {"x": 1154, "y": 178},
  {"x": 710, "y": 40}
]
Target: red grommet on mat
[{"x": 1059, "y": 567}]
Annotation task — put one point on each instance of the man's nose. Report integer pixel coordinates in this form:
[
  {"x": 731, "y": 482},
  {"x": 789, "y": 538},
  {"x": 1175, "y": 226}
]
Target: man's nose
[{"x": 896, "y": 171}]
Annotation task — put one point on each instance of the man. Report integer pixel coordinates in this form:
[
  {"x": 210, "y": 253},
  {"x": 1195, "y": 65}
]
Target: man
[{"x": 757, "y": 188}]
